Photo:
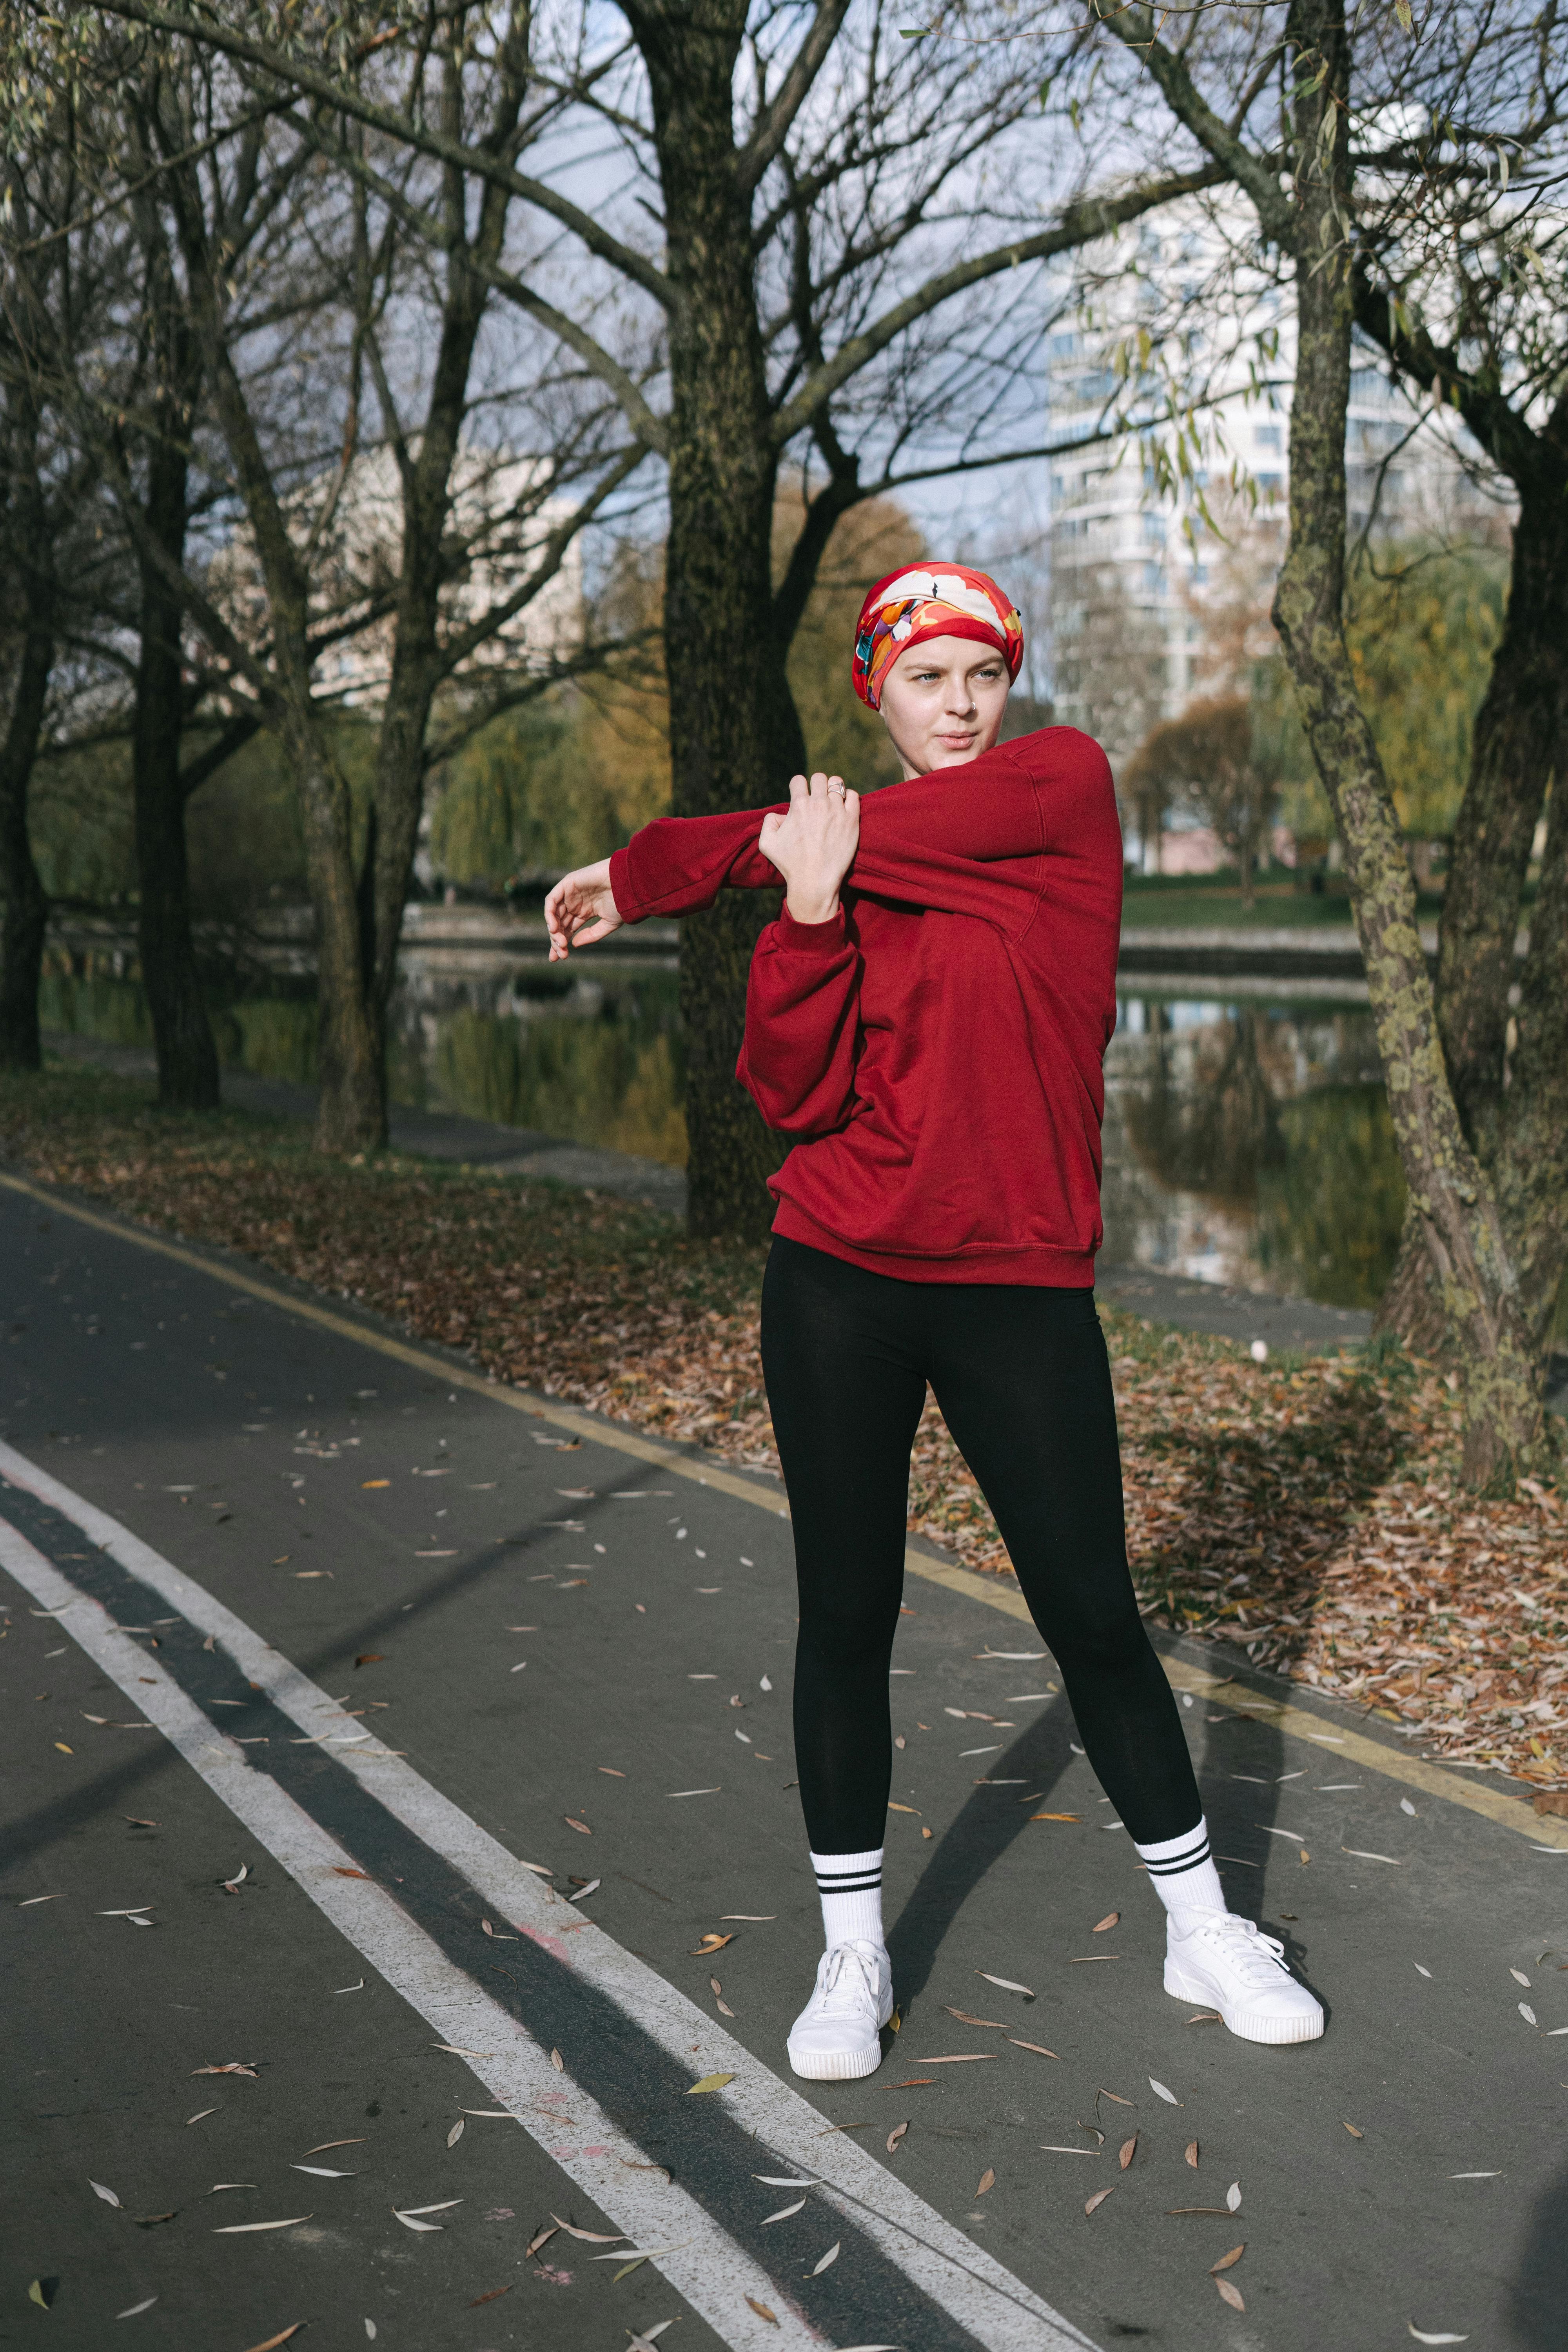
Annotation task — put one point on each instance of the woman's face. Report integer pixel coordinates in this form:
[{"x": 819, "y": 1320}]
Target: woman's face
[{"x": 942, "y": 703}]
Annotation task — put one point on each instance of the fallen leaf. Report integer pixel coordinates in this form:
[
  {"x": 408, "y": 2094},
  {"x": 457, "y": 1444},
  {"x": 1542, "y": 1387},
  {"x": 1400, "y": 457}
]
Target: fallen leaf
[
  {"x": 322, "y": 2172},
  {"x": 43, "y": 2292},
  {"x": 1005, "y": 1984},
  {"x": 542, "y": 2238},
  {"x": 494, "y": 2296},
  {"x": 1038, "y": 2047},
  {"x": 134, "y": 2310},
  {"x": 1056, "y": 1817},
  {"x": 1116, "y": 2098},
  {"x": 1111, "y": 1919},
  {"x": 964, "y": 2018},
  {"x": 1233, "y": 2197},
  {"x": 137, "y": 1823},
  {"x": 282, "y": 2337},
  {"x": 1526, "y": 2011},
  {"x": 987, "y": 2180},
  {"x": 456, "y": 2134},
  {"x": 232, "y": 2067},
  {"x": 710, "y": 2083},
  {"x": 580, "y": 1827},
  {"x": 370, "y": 1658},
  {"x": 99, "y": 2189},
  {"x": 762, "y": 2312},
  {"x": 1162, "y": 2093},
  {"x": 245, "y": 2229},
  {"x": 1192, "y": 2154},
  {"x": 232, "y": 1885},
  {"x": 1129, "y": 2149},
  {"x": 709, "y": 1944},
  {"x": 782, "y": 2180},
  {"x": 1363, "y": 1856},
  {"x": 584, "y": 1892},
  {"x": 1519, "y": 1978},
  {"x": 201, "y": 2115},
  {"x": 589, "y": 2237},
  {"x": 1225, "y": 2261},
  {"x": 1422, "y": 2338},
  {"x": 784, "y": 2213},
  {"x": 1230, "y": 2294},
  {"x": 1172, "y": 2211},
  {"x": 903, "y": 1809},
  {"x": 895, "y": 2135},
  {"x": 375, "y": 1482},
  {"x": 1099, "y": 2198},
  {"x": 557, "y": 2061},
  {"x": 325, "y": 2144},
  {"x": 154, "y": 2220},
  {"x": 63, "y": 1749},
  {"x": 963, "y": 2058},
  {"x": 1049, "y": 2147},
  {"x": 1353, "y": 2132},
  {"x": 830, "y": 2256},
  {"x": 341, "y": 1870}
]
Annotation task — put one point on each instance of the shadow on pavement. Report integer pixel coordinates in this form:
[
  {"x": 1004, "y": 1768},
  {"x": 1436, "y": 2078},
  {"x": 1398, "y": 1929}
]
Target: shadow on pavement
[{"x": 1538, "y": 2297}]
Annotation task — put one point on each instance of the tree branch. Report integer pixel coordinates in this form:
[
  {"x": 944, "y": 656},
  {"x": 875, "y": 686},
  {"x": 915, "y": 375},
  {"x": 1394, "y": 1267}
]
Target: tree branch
[{"x": 773, "y": 127}]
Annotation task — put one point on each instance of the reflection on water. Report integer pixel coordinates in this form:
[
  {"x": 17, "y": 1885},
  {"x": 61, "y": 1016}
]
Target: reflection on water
[
  {"x": 1245, "y": 1143},
  {"x": 1251, "y": 1144}
]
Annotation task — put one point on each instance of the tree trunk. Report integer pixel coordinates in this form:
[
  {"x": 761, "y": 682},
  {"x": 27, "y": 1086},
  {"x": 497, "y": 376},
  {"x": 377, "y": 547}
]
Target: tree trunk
[
  {"x": 1520, "y": 741},
  {"x": 24, "y": 909},
  {"x": 182, "y": 1034},
  {"x": 735, "y": 736},
  {"x": 1448, "y": 1190},
  {"x": 1531, "y": 1170}
]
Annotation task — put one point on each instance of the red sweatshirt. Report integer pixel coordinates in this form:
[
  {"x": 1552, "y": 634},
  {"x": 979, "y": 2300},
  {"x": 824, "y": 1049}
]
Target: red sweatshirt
[{"x": 937, "y": 1047}]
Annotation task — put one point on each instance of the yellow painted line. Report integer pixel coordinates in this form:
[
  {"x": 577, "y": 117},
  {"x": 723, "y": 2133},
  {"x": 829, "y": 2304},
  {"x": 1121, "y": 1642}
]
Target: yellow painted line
[{"x": 1295, "y": 1722}]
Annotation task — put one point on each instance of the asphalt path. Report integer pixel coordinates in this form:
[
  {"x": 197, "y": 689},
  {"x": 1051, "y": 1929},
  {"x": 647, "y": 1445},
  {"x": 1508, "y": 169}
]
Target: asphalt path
[{"x": 438, "y": 1734}]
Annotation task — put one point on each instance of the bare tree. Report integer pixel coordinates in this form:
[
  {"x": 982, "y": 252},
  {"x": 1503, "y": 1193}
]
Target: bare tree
[
  {"x": 391, "y": 545},
  {"x": 1348, "y": 213},
  {"x": 845, "y": 223}
]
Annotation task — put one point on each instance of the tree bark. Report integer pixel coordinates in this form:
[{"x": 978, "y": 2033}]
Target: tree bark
[
  {"x": 24, "y": 909},
  {"x": 1521, "y": 739},
  {"x": 735, "y": 736},
  {"x": 1449, "y": 1193},
  {"x": 182, "y": 1033}
]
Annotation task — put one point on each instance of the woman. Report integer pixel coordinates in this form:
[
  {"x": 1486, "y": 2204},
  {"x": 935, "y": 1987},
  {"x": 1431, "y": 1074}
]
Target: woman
[{"x": 929, "y": 1016}]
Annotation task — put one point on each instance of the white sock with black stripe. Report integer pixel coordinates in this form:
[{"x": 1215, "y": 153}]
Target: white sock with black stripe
[
  {"x": 1182, "y": 1873},
  {"x": 850, "y": 1885}
]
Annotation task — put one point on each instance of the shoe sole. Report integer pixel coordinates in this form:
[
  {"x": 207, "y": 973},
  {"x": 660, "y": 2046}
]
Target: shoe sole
[
  {"x": 836, "y": 2065},
  {"x": 1274, "y": 2030}
]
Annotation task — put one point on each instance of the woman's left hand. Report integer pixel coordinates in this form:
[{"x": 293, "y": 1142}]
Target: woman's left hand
[{"x": 814, "y": 847}]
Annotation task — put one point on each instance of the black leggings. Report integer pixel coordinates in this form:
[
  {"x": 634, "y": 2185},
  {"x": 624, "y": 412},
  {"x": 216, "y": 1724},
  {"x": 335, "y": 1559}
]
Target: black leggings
[{"x": 1024, "y": 1385}]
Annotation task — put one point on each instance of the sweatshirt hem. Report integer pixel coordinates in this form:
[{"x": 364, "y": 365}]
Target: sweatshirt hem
[{"x": 1044, "y": 1265}]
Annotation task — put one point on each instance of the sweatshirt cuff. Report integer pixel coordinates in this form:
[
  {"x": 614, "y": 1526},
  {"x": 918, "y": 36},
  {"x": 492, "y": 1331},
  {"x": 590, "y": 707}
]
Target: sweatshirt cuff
[
  {"x": 621, "y": 887},
  {"x": 811, "y": 938}
]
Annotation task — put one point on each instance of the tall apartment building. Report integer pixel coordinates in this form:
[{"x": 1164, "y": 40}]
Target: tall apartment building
[{"x": 1136, "y": 572}]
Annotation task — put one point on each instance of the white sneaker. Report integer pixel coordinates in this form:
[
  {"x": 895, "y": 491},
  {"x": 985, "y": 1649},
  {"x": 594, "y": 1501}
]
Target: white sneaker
[
  {"x": 1225, "y": 1961},
  {"x": 835, "y": 2038}
]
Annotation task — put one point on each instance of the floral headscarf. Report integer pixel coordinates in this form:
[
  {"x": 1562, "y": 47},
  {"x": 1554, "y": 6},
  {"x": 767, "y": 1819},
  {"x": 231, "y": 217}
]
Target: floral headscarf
[{"x": 944, "y": 600}]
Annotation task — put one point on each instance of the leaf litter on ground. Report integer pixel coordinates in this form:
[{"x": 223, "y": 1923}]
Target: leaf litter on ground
[{"x": 1312, "y": 1516}]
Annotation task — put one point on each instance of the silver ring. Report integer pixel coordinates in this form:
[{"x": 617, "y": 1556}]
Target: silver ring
[{"x": 839, "y": 789}]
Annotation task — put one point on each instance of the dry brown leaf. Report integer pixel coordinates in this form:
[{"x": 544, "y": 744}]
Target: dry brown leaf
[
  {"x": 988, "y": 2181},
  {"x": 895, "y": 2135},
  {"x": 965, "y": 2019},
  {"x": 1099, "y": 2198},
  {"x": 1225, "y": 2261},
  {"x": 1353, "y": 2132},
  {"x": 1116, "y": 2097},
  {"x": 580, "y": 1827},
  {"x": 370, "y": 1658},
  {"x": 557, "y": 2061},
  {"x": 1230, "y": 2294},
  {"x": 281, "y": 2338},
  {"x": 494, "y": 2296},
  {"x": 1111, "y": 1919},
  {"x": 709, "y": 1945},
  {"x": 539, "y": 2238},
  {"x": 1129, "y": 2149},
  {"x": 589, "y": 2237},
  {"x": 341, "y": 1870},
  {"x": 322, "y": 2148},
  {"x": 1192, "y": 2154},
  {"x": 762, "y": 2312},
  {"x": 1038, "y": 2047}
]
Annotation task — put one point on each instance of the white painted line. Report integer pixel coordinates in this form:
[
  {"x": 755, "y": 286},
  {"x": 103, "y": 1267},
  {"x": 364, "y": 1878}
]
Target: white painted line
[
  {"x": 709, "y": 2269},
  {"x": 961, "y": 2277}
]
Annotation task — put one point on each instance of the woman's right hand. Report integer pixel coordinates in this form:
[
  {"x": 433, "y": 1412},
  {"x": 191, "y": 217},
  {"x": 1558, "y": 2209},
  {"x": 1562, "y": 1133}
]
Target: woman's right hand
[
  {"x": 580, "y": 910},
  {"x": 814, "y": 847}
]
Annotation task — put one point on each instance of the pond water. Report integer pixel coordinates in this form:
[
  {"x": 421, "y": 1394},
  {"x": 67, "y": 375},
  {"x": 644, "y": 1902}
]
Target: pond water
[{"x": 1247, "y": 1140}]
